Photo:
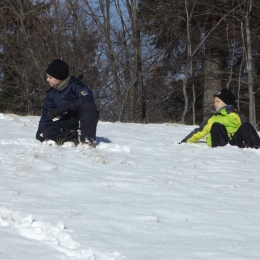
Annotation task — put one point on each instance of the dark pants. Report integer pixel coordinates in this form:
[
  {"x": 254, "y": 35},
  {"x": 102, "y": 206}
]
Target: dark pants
[
  {"x": 245, "y": 136},
  {"x": 65, "y": 129}
]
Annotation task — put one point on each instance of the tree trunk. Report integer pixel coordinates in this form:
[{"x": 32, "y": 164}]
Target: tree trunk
[
  {"x": 188, "y": 73},
  {"x": 138, "y": 78},
  {"x": 212, "y": 83},
  {"x": 249, "y": 65}
]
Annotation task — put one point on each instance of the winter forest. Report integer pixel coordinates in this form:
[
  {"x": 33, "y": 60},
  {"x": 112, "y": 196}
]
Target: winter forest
[{"x": 147, "y": 61}]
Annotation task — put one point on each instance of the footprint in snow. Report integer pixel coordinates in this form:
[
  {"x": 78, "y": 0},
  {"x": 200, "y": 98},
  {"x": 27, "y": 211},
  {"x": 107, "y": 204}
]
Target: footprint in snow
[
  {"x": 55, "y": 236},
  {"x": 114, "y": 147}
]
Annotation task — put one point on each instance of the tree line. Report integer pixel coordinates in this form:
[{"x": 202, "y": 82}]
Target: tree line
[{"x": 145, "y": 60}]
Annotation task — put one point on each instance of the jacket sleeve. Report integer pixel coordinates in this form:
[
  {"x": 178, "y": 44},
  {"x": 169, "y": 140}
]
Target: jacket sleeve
[
  {"x": 198, "y": 133},
  {"x": 45, "y": 118}
]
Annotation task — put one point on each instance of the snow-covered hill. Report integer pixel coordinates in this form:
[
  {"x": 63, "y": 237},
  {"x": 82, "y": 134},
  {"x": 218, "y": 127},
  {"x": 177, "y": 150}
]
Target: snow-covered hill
[{"x": 138, "y": 196}]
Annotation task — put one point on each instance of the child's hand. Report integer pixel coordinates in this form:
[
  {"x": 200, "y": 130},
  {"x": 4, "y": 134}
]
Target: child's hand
[{"x": 39, "y": 137}]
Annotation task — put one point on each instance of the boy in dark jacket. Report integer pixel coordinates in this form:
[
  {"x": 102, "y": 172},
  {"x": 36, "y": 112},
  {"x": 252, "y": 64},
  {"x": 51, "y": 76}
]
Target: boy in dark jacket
[
  {"x": 226, "y": 126},
  {"x": 73, "y": 102}
]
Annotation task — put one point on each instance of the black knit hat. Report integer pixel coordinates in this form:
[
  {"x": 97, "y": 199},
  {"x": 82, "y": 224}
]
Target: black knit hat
[
  {"x": 226, "y": 96},
  {"x": 58, "y": 69}
]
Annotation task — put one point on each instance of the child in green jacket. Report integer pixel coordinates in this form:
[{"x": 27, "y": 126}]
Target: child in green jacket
[{"x": 226, "y": 126}]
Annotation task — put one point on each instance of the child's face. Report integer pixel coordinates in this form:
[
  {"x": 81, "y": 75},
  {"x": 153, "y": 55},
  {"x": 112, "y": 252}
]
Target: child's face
[
  {"x": 52, "y": 81},
  {"x": 218, "y": 103}
]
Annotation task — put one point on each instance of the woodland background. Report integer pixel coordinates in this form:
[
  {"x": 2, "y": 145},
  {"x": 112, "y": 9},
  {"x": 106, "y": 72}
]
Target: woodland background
[{"x": 147, "y": 61}]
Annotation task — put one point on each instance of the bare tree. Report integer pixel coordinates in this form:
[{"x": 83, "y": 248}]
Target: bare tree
[
  {"x": 134, "y": 54},
  {"x": 138, "y": 77},
  {"x": 32, "y": 34},
  {"x": 20, "y": 21},
  {"x": 188, "y": 71},
  {"x": 249, "y": 59}
]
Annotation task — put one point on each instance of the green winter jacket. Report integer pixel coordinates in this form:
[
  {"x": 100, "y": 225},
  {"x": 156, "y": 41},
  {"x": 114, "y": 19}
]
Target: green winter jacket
[{"x": 226, "y": 116}]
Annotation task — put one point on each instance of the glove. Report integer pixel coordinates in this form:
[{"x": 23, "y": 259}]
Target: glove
[
  {"x": 182, "y": 141},
  {"x": 39, "y": 137},
  {"x": 70, "y": 106}
]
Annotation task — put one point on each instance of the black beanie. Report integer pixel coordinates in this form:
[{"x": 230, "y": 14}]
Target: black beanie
[
  {"x": 226, "y": 96},
  {"x": 58, "y": 69}
]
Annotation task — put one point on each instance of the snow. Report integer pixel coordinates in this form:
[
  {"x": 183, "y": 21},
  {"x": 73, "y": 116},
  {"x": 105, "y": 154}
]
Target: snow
[{"x": 138, "y": 196}]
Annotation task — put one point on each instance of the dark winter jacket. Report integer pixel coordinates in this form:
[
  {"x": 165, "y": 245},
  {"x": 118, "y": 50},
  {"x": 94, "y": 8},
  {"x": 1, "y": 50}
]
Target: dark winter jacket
[
  {"x": 226, "y": 116},
  {"x": 69, "y": 90}
]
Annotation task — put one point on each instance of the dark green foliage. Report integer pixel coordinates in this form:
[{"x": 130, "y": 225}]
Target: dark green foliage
[{"x": 215, "y": 29}]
